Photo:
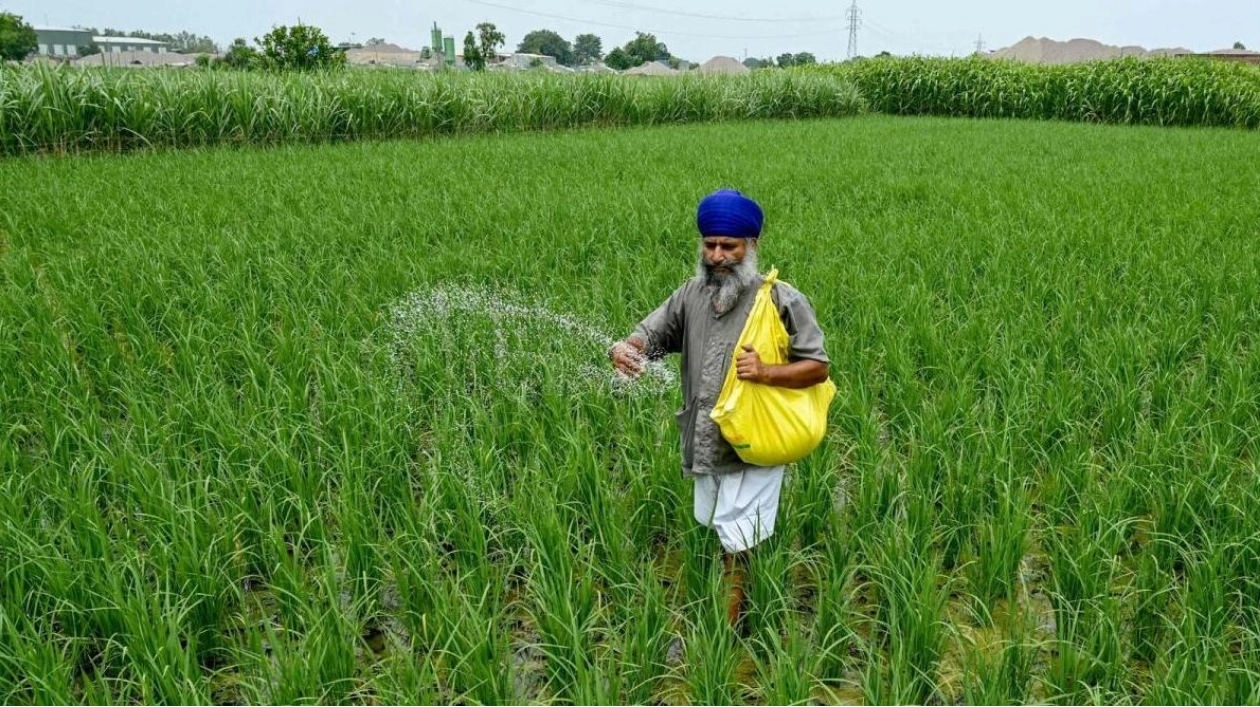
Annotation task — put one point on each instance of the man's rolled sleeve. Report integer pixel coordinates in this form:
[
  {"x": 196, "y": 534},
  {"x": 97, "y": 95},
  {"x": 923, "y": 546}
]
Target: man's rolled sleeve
[
  {"x": 662, "y": 329},
  {"x": 805, "y": 337}
]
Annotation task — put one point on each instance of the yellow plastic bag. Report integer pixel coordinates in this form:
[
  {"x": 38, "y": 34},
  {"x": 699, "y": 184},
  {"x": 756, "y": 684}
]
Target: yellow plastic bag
[{"x": 769, "y": 425}]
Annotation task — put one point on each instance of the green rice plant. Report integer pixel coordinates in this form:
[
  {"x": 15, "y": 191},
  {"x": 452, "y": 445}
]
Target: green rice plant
[
  {"x": 476, "y": 646},
  {"x": 362, "y": 543},
  {"x": 876, "y": 498},
  {"x": 700, "y": 558},
  {"x": 1089, "y": 661},
  {"x": 1204, "y": 598},
  {"x": 645, "y": 641},
  {"x": 564, "y": 608},
  {"x": 910, "y": 612},
  {"x": 1000, "y": 546},
  {"x": 711, "y": 647},
  {"x": 460, "y": 519},
  {"x": 786, "y": 673},
  {"x": 1242, "y": 561},
  {"x": 834, "y": 628},
  {"x": 875, "y": 680},
  {"x": 600, "y": 684},
  {"x": 34, "y": 671},
  {"x": 767, "y": 587},
  {"x": 417, "y": 576},
  {"x": 1148, "y": 626},
  {"x": 882, "y": 681},
  {"x": 1002, "y": 672},
  {"x": 160, "y": 650},
  {"x": 309, "y": 656},
  {"x": 1196, "y": 672},
  {"x": 406, "y": 678},
  {"x": 1242, "y": 679},
  {"x": 811, "y": 501}
]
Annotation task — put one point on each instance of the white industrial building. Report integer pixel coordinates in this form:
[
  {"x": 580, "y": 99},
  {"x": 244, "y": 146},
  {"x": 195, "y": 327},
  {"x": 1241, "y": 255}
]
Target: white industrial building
[{"x": 68, "y": 42}]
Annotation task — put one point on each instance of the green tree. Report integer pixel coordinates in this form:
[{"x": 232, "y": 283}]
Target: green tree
[
  {"x": 375, "y": 42},
  {"x": 240, "y": 55},
  {"x": 753, "y": 62},
  {"x": 299, "y": 48},
  {"x": 190, "y": 43},
  {"x": 548, "y": 43},
  {"x": 1240, "y": 46},
  {"x": 89, "y": 49},
  {"x": 199, "y": 45},
  {"x": 645, "y": 47},
  {"x": 618, "y": 59},
  {"x": 587, "y": 49},
  {"x": 785, "y": 60},
  {"x": 489, "y": 39},
  {"x": 804, "y": 59},
  {"x": 472, "y": 55},
  {"x": 17, "y": 39}
]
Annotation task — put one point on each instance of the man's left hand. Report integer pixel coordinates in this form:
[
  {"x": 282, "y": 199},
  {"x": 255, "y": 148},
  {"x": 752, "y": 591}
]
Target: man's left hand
[{"x": 748, "y": 366}]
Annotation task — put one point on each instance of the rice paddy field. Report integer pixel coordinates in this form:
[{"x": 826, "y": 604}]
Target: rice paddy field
[{"x": 334, "y": 423}]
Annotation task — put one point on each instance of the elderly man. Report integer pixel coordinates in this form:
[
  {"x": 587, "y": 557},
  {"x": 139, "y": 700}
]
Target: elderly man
[{"x": 703, "y": 320}]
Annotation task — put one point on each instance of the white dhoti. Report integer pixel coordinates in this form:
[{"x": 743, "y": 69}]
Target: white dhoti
[{"x": 741, "y": 506}]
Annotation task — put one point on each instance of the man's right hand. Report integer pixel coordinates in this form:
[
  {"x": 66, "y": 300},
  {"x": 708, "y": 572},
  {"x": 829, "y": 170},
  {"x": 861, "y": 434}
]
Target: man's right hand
[{"x": 628, "y": 357}]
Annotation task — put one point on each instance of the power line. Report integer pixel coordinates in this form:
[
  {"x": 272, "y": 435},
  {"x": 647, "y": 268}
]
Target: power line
[
  {"x": 907, "y": 41},
  {"x": 726, "y": 18},
  {"x": 854, "y": 16},
  {"x": 644, "y": 29}
]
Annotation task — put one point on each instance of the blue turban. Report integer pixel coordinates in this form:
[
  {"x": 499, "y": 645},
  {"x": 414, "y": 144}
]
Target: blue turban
[{"x": 729, "y": 213}]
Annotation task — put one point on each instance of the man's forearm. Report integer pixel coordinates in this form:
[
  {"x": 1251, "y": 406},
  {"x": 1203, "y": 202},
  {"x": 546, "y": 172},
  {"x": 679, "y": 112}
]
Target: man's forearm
[{"x": 798, "y": 374}]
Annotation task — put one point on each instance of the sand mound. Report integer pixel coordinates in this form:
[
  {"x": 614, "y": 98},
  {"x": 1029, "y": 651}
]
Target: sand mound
[
  {"x": 651, "y": 68},
  {"x": 1048, "y": 51},
  {"x": 722, "y": 65}
]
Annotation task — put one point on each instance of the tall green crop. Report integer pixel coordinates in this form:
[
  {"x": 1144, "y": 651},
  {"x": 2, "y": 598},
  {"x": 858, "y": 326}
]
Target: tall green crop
[
  {"x": 64, "y": 109},
  {"x": 1163, "y": 91}
]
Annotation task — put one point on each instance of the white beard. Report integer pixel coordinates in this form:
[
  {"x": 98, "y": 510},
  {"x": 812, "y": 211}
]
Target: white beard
[{"x": 725, "y": 288}]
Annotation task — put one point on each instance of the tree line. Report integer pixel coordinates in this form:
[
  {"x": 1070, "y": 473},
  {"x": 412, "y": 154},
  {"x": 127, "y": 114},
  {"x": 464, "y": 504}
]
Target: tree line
[
  {"x": 305, "y": 47},
  {"x": 301, "y": 47}
]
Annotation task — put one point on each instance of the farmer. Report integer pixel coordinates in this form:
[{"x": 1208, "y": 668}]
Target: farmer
[{"x": 703, "y": 320}]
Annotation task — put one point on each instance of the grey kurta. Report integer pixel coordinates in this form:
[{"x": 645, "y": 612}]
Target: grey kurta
[{"x": 686, "y": 323}]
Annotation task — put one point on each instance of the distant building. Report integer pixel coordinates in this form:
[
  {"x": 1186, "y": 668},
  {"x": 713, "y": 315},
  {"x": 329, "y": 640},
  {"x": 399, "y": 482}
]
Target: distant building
[
  {"x": 1244, "y": 56},
  {"x": 521, "y": 60},
  {"x": 61, "y": 41},
  {"x": 115, "y": 45}
]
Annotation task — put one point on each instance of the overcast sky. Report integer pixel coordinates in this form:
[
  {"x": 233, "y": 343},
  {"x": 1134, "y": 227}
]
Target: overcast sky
[{"x": 696, "y": 29}]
